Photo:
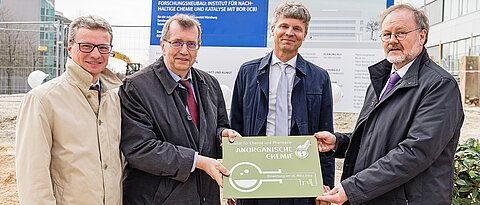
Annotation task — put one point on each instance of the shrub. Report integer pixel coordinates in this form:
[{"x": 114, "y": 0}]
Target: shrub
[{"x": 467, "y": 173}]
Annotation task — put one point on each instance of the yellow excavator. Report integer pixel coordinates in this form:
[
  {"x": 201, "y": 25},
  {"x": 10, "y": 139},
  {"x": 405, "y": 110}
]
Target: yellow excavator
[{"x": 131, "y": 67}]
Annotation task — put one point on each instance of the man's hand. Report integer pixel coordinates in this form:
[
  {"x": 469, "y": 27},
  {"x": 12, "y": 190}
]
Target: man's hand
[
  {"x": 231, "y": 201},
  {"x": 336, "y": 195},
  {"x": 231, "y": 134},
  {"x": 325, "y": 141},
  {"x": 325, "y": 189},
  {"x": 213, "y": 168}
]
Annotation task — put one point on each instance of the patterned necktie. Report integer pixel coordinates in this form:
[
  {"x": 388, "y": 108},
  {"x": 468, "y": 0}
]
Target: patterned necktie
[
  {"x": 394, "y": 78},
  {"x": 281, "y": 107},
  {"x": 192, "y": 106},
  {"x": 96, "y": 87}
]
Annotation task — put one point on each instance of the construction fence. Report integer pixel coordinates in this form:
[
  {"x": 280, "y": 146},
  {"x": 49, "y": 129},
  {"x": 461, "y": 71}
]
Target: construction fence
[{"x": 29, "y": 46}]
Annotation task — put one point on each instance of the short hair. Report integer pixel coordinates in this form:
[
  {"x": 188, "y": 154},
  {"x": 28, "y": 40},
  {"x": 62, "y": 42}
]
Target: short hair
[
  {"x": 421, "y": 20},
  {"x": 90, "y": 22},
  {"x": 185, "y": 21},
  {"x": 295, "y": 10}
]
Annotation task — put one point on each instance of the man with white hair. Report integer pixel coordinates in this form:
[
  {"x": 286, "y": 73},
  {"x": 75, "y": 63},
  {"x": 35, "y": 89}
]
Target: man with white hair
[{"x": 402, "y": 149}]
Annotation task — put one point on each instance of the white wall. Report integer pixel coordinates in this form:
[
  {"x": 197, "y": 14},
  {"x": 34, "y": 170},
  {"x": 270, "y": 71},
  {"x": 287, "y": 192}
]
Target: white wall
[{"x": 455, "y": 29}]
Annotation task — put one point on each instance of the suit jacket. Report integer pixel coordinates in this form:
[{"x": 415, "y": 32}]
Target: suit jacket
[
  {"x": 311, "y": 105},
  {"x": 402, "y": 149},
  {"x": 159, "y": 138}
]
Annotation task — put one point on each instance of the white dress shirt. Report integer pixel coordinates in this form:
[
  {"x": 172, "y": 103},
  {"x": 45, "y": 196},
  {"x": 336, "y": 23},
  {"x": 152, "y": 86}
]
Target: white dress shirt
[{"x": 274, "y": 76}]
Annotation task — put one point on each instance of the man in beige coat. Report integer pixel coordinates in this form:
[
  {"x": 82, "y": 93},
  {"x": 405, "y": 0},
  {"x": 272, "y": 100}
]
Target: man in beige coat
[{"x": 68, "y": 133}]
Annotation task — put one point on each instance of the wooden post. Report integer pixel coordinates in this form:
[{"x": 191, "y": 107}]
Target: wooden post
[
  {"x": 471, "y": 44},
  {"x": 470, "y": 77}
]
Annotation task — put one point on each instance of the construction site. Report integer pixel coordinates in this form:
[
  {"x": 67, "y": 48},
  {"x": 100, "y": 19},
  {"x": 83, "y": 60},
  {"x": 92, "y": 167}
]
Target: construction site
[{"x": 35, "y": 51}]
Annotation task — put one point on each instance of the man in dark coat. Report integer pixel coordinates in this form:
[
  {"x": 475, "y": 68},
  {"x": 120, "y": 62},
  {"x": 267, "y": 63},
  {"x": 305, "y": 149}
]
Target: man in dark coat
[
  {"x": 402, "y": 149},
  {"x": 257, "y": 93},
  {"x": 173, "y": 118}
]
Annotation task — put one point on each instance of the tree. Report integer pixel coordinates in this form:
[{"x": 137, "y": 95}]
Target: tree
[
  {"x": 19, "y": 55},
  {"x": 372, "y": 26}
]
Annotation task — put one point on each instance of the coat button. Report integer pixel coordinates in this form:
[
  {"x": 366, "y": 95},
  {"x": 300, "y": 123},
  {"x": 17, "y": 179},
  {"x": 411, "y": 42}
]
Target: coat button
[
  {"x": 89, "y": 95},
  {"x": 99, "y": 122},
  {"x": 105, "y": 166},
  {"x": 204, "y": 199},
  {"x": 189, "y": 117}
]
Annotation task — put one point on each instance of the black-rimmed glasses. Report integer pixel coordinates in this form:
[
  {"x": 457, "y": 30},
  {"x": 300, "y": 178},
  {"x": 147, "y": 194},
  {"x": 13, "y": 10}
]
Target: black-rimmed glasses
[
  {"x": 88, "y": 47},
  {"x": 191, "y": 45},
  {"x": 400, "y": 36}
]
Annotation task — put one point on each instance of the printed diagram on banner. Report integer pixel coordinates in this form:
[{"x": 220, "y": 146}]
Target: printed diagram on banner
[{"x": 272, "y": 167}]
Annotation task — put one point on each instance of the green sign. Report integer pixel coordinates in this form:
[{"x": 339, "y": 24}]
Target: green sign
[{"x": 272, "y": 167}]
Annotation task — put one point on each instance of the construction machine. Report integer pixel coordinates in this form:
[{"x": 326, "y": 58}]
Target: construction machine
[{"x": 131, "y": 67}]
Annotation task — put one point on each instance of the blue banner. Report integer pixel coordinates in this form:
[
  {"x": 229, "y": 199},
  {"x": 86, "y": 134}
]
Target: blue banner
[
  {"x": 390, "y": 3},
  {"x": 224, "y": 23}
]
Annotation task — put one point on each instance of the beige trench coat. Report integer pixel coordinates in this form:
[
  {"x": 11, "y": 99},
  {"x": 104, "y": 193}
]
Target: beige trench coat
[{"x": 67, "y": 146}]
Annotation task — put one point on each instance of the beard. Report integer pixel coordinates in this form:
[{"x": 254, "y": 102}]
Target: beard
[{"x": 404, "y": 57}]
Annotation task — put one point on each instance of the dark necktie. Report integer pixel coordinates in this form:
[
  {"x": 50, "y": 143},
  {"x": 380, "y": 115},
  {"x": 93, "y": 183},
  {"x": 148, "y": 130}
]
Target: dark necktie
[
  {"x": 95, "y": 87},
  {"x": 394, "y": 78},
  {"x": 192, "y": 106}
]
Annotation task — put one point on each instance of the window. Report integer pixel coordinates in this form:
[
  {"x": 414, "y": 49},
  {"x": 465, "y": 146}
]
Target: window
[
  {"x": 434, "y": 54},
  {"x": 454, "y": 11},
  {"x": 476, "y": 46},
  {"x": 449, "y": 59},
  {"x": 447, "y": 10},
  {"x": 472, "y": 6},
  {"x": 434, "y": 12},
  {"x": 462, "y": 49},
  {"x": 468, "y": 46},
  {"x": 463, "y": 7}
]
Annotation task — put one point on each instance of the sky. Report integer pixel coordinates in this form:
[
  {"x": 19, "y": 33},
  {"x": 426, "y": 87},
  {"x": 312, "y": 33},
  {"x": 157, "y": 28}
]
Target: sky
[
  {"x": 116, "y": 12},
  {"x": 133, "y": 42}
]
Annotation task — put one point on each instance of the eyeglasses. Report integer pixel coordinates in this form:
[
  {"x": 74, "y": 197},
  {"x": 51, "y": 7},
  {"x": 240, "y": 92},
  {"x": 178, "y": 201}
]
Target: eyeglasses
[
  {"x": 191, "y": 45},
  {"x": 88, "y": 47},
  {"x": 400, "y": 36}
]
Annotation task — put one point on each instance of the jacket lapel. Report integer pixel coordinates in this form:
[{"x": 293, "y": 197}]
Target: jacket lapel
[
  {"x": 380, "y": 72},
  {"x": 262, "y": 81},
  {"x": 298, "y": 99},
  {"x": 170, "y": 87},
  {"x": 202, "y": 95}
]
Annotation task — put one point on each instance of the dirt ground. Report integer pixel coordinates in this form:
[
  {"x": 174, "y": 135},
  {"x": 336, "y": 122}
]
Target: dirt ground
[{"x": 343, "y": 122}]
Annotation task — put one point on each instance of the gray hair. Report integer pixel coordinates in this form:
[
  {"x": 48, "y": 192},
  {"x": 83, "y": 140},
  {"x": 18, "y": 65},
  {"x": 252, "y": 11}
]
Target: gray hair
[
  {"x": 90, "y": 22},
  {"x": 421, "y": 20},
  {"x": 185, "y": 21},
  {"x": 295, "y": 10}
]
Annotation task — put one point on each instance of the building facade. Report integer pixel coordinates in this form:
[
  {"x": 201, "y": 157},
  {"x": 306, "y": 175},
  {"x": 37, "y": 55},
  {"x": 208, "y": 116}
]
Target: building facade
[
  {"x": 338, "y": 25},
  {"x": 454, "y": 30}
]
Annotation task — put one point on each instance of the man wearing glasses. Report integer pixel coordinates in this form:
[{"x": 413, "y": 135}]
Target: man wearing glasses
[
  {"x": 173, "y": 118},
  {"x": 68, "y": 129},
  {"x": 402, "y": 149}
]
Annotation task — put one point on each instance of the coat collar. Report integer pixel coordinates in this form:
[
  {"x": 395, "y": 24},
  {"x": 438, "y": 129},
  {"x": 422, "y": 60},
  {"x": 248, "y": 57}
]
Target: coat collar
[
  {"x": 262, "y": 72},
  {"x": 265, "y": 64},
  {"x": 83, "y": 79},
  {"x": 166, "y": 79},
  {"x": 379, "y": 73}
]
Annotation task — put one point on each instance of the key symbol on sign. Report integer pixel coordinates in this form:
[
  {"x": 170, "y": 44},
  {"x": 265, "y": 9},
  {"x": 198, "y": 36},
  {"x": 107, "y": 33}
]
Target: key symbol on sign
[
  {"x": 247, "y": 177},
  {"x": 302, "y": 150}
]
